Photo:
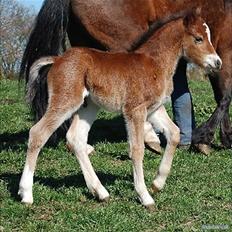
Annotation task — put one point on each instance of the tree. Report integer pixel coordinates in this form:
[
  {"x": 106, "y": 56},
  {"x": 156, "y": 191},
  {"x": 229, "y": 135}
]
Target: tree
[{"x": 15, "y": 23}]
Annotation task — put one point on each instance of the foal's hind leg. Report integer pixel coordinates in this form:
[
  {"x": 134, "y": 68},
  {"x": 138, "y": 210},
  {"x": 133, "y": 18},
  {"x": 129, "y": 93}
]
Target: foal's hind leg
[
  {"x": 39, "y": 134},
  {"x": 77, "y": 138},
  {"x": 161, "y": 121},
  {"x": 151, "y": 138},
  {"x": 135, "y": 128}
]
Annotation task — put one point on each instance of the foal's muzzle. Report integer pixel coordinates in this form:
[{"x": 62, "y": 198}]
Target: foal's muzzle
[{"x": 213, "y": 63}]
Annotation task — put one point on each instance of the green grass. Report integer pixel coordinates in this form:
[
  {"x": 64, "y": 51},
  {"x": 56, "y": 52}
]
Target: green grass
[{"x": 198, "y": 192}]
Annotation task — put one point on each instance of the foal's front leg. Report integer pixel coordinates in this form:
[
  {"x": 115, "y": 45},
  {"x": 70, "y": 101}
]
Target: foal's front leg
[
  {"x": 135, "y": 127},
  {"x": 77, "y": 137},
  {"x": 161, "y": 121}
]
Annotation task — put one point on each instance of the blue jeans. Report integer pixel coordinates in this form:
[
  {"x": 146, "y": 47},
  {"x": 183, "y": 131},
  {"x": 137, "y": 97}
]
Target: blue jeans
[{"x": 182, "y": 104}]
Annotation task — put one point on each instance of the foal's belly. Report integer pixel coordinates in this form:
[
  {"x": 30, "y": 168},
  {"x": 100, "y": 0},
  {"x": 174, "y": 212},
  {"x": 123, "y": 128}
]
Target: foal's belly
[
  {"x": 160, "y": 102},
  {"x": 112, "y": 104}
]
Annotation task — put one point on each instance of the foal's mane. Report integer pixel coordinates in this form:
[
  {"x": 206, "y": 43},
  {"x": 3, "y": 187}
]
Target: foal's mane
[{"x": 157, "y": 24}]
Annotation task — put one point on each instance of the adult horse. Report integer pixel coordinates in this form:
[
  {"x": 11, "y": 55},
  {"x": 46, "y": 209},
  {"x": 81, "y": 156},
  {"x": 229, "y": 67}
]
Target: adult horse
[{"x": 123, "y": 25}]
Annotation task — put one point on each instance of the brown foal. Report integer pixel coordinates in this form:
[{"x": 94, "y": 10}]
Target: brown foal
[{"x": 136, "y": 84}]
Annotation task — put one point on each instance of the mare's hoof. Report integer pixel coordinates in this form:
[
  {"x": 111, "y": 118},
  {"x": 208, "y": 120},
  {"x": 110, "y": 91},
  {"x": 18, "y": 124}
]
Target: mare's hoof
[
  {"x": 203, "y": 148},
  {"x": 155, "y": 147}
]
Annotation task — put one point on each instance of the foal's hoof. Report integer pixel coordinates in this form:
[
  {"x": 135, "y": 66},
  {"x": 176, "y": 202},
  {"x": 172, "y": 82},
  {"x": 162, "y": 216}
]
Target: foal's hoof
[
  {"x": 203, "y": 148},
  {"x": 151, "y": 208},
  {"x": 105, "y": 200},
  {"x": 27, "y": 198},
  {"x": 154, "y": 188},
  {"x": 102, "y": 194},
  {"x": 69, "y": 147},
  {"x": 155, "y": 147}
]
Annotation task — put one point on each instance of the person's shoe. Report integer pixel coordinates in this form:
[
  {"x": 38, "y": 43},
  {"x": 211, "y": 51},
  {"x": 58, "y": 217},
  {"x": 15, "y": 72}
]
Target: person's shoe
[{"x": 184, "y": 146}]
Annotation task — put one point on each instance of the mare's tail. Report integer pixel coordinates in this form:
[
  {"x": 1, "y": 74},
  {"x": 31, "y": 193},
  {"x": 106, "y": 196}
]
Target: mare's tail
[{"x": 46, "y": 39}]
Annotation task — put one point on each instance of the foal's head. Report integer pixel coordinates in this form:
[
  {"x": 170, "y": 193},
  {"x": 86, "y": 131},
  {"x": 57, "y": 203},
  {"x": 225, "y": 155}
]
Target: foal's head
[{"x": 197, "y": 46}]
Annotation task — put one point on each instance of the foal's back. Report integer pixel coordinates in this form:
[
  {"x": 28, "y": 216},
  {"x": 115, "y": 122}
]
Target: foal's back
[{"x": 113, "y": 79}]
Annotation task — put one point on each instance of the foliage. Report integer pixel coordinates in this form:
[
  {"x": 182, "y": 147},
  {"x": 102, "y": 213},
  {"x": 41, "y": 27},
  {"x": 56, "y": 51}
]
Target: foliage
[
  {"x": 197, "y": 194},
  {"x": 15, "y": 23}
]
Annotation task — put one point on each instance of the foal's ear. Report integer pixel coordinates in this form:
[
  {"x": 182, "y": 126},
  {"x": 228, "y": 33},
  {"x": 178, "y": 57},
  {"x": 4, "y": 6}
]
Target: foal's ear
[
  {"x": 197, "y": 11},
  {"x": 191, "y": 17}
]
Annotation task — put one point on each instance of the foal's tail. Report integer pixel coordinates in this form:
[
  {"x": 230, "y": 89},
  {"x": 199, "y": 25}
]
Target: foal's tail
[{"x": 35, "y": 78}]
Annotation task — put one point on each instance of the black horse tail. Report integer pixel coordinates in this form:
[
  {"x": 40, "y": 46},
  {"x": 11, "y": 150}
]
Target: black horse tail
[
  {"x": 47, "y": 38},
  {"x": 48, "y": 35}
]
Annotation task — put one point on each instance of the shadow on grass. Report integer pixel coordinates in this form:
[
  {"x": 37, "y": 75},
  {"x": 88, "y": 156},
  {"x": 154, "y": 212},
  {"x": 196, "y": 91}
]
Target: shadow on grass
[
  {"x": 112, "y": 130},
  {"x": 12, "y": 181},
  {"x": 13, "y": 141}
]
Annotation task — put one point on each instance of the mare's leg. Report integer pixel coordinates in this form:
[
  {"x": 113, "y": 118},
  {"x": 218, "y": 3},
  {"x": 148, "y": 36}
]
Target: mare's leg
[
  {"x": 77, "y": 137},
  {"x": 226, "y": 86},
  {"x": 222, "y": 85},
  {"x": 226, "y": 129},
  {"x": 161, "y": 121},
  {"x": 203, "y": 135},
  {"x": 135, "y": 120},
  {"x": 39, "y": 134},
  {"x": 151, "y": 138}
]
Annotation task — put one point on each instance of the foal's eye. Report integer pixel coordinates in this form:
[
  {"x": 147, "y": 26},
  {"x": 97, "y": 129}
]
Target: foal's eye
[{"x": 198, "y": 40}]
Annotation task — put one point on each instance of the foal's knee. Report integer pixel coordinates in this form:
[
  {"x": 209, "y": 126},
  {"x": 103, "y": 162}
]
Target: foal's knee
[
  {"x": 35, "y": 137},
  {"x": 174, "y": 136},
  {"x": 70, "y": 141},
  {"x": 75, "y": 143}
]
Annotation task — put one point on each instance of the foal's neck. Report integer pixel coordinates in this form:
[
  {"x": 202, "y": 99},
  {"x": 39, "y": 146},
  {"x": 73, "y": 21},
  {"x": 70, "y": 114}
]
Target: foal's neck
[{"x": 165, "y": 46}]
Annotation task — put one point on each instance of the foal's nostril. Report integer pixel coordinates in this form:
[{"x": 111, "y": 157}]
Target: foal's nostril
[{"x": 218, "y": 64}]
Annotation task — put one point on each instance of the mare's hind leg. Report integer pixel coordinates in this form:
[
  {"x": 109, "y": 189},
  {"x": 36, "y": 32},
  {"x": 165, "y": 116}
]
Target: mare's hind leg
[
  {"x": 135, "y": 128},
  {"x": 161, "y": 121},
  {"x": 77, "y": 138}
]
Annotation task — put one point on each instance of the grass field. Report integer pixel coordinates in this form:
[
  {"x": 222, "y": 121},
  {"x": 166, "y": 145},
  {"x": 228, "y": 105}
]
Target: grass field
[{"x": 197, "y": 197}]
